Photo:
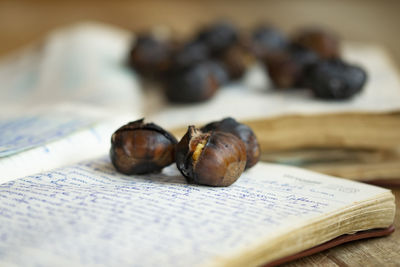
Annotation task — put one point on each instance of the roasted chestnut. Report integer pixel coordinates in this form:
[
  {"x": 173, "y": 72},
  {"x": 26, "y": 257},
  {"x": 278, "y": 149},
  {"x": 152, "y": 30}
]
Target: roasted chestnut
[
  {"x": 139, "y": 148},
  {"x": 266, "y": 41},
  {"x": 324, "y": 43},
  {"x": 219, "y": 36},
  {"x": 286, "y": 68},
  {"x": 335, "y": 79},
  {"x": 151, "y": 55},
  {"x": 196, "y": 83},
  {"x": 189, "y": 54},
  {"x": 236, "y": 59},
  {"x": 243, "y": 132},
  {"x": 212, "y": 158}
]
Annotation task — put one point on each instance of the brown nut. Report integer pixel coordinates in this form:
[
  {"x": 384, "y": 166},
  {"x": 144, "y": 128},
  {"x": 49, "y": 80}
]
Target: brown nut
[
  {"x": 243, "y": 132},
  {"x": 237, "y": 59},
  {"x": 139, "y": 148},
  {"x": 324, "y": 43},
  {"x": 196, "y": 83},
  {"x": 151, "y": 55},
  {"x": 212, "y": 158},
  {"x": 286, "y": 68},
  {"x": 266, "y": 40},
  {"x": 218, "y": 36}
]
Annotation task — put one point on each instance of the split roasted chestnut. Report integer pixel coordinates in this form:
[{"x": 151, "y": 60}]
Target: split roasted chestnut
[
  {"x": 139, "y": 148},
  {"x": 212, "y": 158},
  {"x": 243, "y": 132}
]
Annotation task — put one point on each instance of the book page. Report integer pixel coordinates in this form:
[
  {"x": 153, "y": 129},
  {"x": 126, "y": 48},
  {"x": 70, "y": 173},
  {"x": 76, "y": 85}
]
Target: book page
[
  {"x": 29, "y": 131},
  {"x": 55, "y": 137},
  {"x": 83, "y": 63},
  {"x": 84, "y": 144},
  {"x": 89, "y": 215}
]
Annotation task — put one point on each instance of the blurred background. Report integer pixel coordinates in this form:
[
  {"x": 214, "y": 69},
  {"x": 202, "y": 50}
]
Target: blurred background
[{"x": 369, "y": 21}]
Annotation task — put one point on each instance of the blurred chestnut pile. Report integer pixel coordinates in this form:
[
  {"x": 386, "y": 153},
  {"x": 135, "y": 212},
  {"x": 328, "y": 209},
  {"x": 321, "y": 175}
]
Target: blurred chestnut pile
[
  {"x": 215, "y": 155},
  {"x": 192, "y": 70}
]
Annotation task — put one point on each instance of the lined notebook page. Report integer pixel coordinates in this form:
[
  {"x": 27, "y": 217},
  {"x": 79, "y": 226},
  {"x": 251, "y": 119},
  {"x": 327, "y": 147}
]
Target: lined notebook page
[
  {"x": 89, "y": 215},
  {"x": 31, "y": 131},
  {"x": 82, "y": 145},
  {"x": 54, "y": 138}
]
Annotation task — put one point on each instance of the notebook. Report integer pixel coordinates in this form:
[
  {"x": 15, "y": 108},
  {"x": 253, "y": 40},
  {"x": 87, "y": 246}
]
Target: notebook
[{"x": 89, "y": 215}]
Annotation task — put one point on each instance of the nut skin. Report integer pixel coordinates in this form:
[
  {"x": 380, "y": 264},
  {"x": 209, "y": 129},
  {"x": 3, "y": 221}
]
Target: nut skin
[
  {"x": 282, "y": 70},
  {"x": 286, "y": 68},
  {"x": 197, "y": 83},
  {"x": 189, "y": 54},
  {"x": 266, "y": 40},
  {"x": 324, "y": 43},
  {"x": 243, "y": 132},
  {"x": 236, "y": 59},
  {"x": 140, "y": 148},
  {"x": 218, "y": 36},
  {"x": 150, "y": 56},
  {"x": 335, "y": 79},
  {"x": 220, "y": 163}
]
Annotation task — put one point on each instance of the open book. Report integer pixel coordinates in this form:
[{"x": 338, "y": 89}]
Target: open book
[
  {"x": 90, "y": 215},
  {"x": 53, "y": 137},
  {"x": 87, "y": 214},
  {"x": 356, "y": 139}
]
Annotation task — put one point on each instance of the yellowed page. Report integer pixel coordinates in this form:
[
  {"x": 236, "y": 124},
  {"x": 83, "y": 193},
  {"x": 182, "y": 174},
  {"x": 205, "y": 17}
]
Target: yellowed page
[{"x": 89, "y": 215}]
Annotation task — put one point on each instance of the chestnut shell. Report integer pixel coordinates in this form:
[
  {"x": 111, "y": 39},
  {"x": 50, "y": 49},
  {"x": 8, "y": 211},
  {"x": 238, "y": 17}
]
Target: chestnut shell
[
  {"x": 221, "y": 162},
  {"x": 266, "y": 40},
  {"x": 219, "y": 36},
  {"x": 324, "y": 43},
  {"x": 150, "y": 56},
  {"x": 139, "y": 148},
  {"x": 243, "y": 132},
  {"x": 196, "y": 83},
  {"x": 236, "y": 59},
  {"x": 286, "y": 68}
]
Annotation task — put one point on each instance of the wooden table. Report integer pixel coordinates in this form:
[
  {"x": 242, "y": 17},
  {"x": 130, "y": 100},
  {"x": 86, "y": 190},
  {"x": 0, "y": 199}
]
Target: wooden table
[{"x": 376, "y": 21}]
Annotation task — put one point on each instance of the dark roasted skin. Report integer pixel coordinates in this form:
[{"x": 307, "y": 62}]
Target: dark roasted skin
[
  {"x": 140, "y": 148},
  {"x": 151, "y": 56},
  {"x": 218, "y": 37},
  {"x": 283, "y": 70},
  {"x": 286, "y": 68},
  {"x": 212, "y": 158},
  {"x": 266, "y": 41},
  {"x": 236, "y": 60},
  {"x": 243, "y": 132},
  {"x": 189, "y": 54},
  {"x": 196, "y": 83},
  {"x": 335, "y": 79},
  {"x": 322, "y": 42}
]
